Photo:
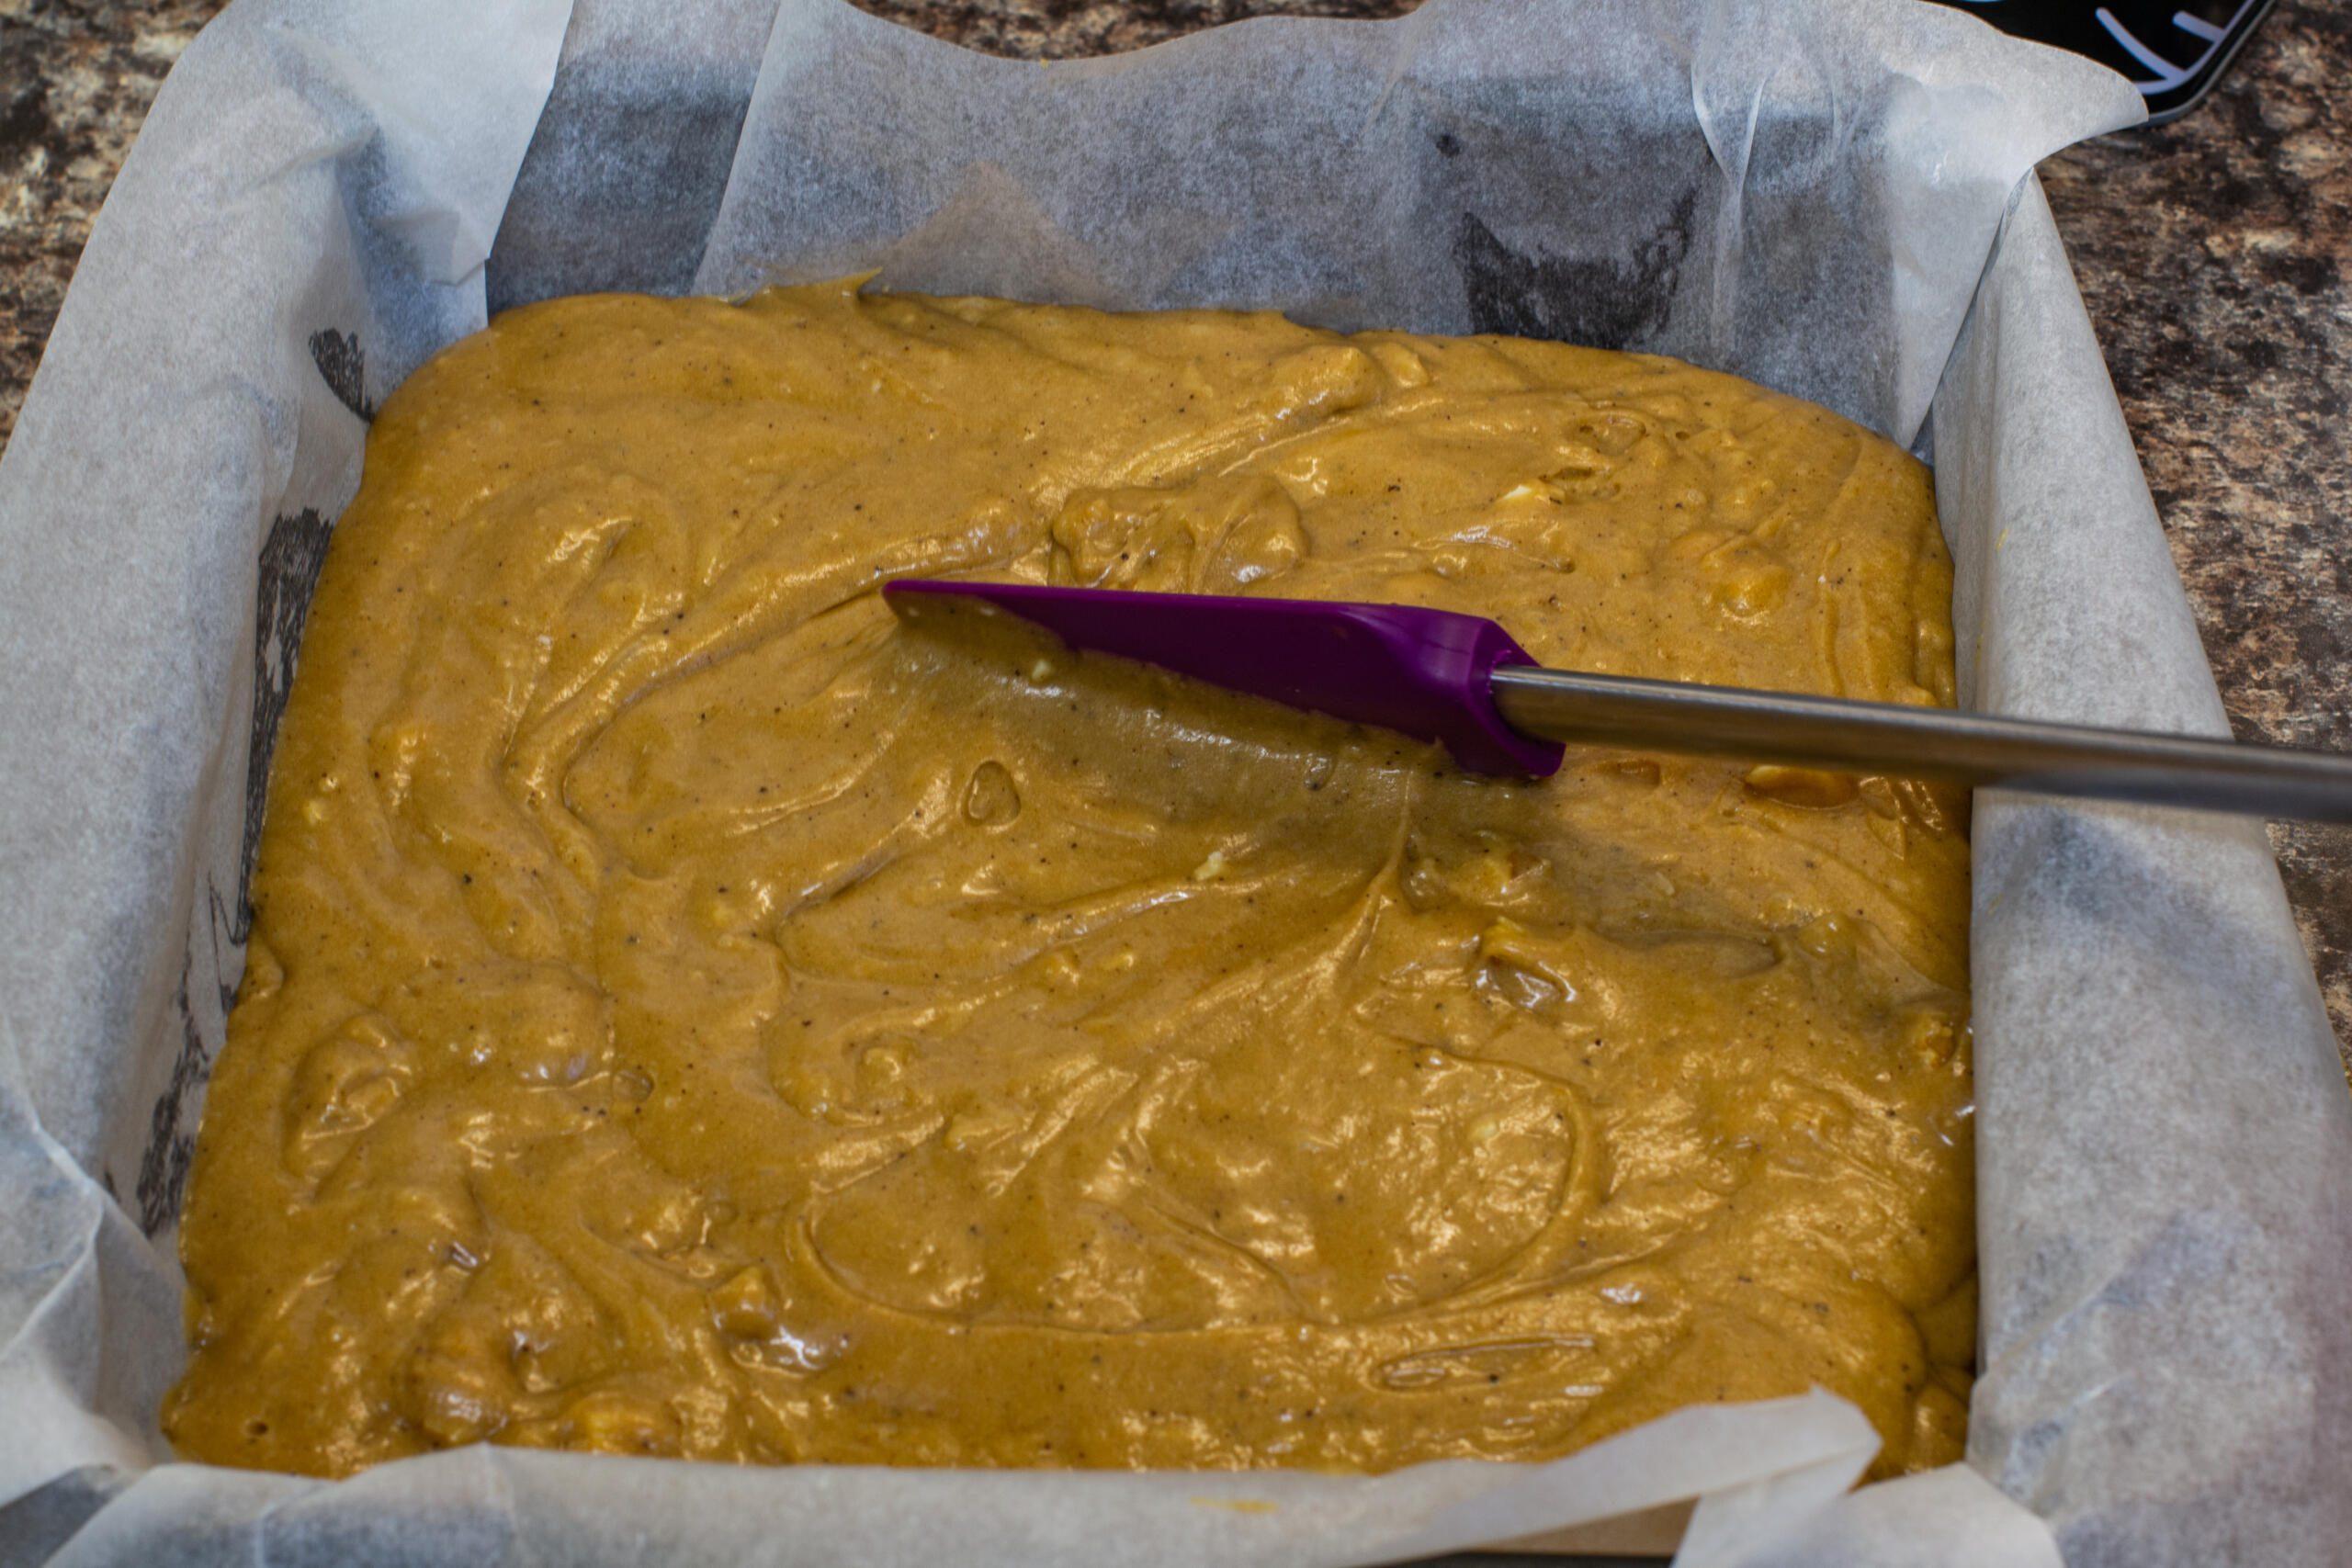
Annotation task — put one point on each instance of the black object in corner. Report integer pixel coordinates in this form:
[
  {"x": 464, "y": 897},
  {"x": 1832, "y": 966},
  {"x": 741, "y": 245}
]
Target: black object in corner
[{"x": 2172, "y": 50}]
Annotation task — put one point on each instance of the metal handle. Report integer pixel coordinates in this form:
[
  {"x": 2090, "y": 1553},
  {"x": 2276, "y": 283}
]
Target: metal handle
[{"x": 1967, "y": 749}]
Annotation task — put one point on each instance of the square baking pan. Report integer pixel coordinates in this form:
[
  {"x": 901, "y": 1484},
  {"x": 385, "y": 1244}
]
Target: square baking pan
[{"x": 1831, "y": 197}]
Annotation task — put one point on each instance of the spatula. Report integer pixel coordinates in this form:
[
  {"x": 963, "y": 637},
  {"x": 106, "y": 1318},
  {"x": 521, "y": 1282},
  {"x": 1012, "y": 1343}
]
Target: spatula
[{"x": 1460, "y": 681}]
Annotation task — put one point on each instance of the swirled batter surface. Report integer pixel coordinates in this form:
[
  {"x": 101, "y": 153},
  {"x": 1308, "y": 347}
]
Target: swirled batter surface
[{"x": 690, "y": 1013}]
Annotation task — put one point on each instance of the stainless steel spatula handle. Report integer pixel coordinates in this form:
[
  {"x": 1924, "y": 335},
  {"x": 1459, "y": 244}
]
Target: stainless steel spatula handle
[
  {"x": 1968, "y": 748},
  {"x": 1462, "y": 681}
]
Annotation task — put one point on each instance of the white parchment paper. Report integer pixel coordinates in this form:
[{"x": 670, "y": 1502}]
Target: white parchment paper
[{"x": 1822, "y": 195}]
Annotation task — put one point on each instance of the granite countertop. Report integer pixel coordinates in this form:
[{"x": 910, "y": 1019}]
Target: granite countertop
[{"x": 2215, "y": 255}]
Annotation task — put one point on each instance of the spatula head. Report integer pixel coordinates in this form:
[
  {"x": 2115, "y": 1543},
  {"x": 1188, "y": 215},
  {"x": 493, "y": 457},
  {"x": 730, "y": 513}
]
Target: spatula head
[{"x": 1420, "y": 671}]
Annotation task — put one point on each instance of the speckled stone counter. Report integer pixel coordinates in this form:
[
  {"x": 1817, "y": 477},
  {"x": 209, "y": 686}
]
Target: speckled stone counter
[{"x": 2215, "y": 254}]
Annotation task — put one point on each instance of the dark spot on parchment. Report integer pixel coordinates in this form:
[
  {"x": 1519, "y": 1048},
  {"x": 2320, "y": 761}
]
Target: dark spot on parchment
[
  {"x": 171, "y": 1135},
  {"x": 285, "y": 576},
  {"x": 1600, "y": 302},
  {"x": 1448, "y": 144},
  {"x": 344, "y": 367}
]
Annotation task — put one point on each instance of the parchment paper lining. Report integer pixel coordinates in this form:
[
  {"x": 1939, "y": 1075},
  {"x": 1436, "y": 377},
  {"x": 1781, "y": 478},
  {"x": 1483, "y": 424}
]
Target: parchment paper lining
[{"x": 1807, "y": 194}]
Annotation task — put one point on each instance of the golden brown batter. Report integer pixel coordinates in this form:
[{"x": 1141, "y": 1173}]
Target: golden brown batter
[{"x": 689, "y": 1013}]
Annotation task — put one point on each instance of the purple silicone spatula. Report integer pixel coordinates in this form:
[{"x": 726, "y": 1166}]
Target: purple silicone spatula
[{"x": 1460, "y": 681}]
